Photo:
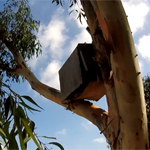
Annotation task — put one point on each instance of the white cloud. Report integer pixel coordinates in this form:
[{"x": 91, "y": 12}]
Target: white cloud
[
  {"x": 144, "y": 46},
  {"x": 49, "y": 75},
  {"x": 136, "y": 11},
  {"x": 62, "y": 132},
  {"x": 100, "y": 140},
  {"x": 87, "y": 125},
  {"x": 52, "y": 38},
  {"x": 82, "y": 37}
]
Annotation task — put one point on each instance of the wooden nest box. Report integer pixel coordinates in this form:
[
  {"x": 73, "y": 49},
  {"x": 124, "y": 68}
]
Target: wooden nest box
[{"x": 80, "y": 76}]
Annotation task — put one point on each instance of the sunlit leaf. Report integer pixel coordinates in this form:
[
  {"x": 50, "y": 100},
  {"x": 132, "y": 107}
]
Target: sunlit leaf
[
  {"x": 2, "y": 133},
  {"x": 27, "y": 139},
  {"x": 31, "y": 133}
]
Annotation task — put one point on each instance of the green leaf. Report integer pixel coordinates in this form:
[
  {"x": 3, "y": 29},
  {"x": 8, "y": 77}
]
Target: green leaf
[
  {"x": 53, "y": 138},
  {"x": 31, "y": 101},
  {"x": 2, "y": 133},
  {"x": 57, "y": 144},
  {"x": 32, "y": 126},
  {"x": 79, "y": 17},
  {"x": 20, "y": 112},
  {"x": 29, "y": 131},
  {"x": 71, "y": 12},
  {"x": 28, "y": 107},
  {"x": 71, "y": 4},
  {"x": 12, "y": 141},
  {"x": 19, "y": 131},
  {"x": 6, "y": 128},
  {"x": 24, "y": 133},
  {"x": 22, "y": 144},
  {"x": 27, "y": 139},
  {"x": 7, "y": 106}
]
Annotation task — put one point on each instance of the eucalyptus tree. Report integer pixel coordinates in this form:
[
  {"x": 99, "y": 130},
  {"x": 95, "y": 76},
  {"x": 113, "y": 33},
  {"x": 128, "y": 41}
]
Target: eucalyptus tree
[{"x": 125, "y": 123}]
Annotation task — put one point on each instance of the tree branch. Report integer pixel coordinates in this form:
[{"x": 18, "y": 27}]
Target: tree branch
[{"x": 83, "y": 108}]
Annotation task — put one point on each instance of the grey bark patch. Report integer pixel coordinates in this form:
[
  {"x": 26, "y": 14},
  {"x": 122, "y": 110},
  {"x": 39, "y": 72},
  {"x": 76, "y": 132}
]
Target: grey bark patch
[{"x": 54, "y": 92}]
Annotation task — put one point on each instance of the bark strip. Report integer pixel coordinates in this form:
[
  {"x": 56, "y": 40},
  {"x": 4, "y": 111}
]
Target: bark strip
[{"x": 126, "y": 75}]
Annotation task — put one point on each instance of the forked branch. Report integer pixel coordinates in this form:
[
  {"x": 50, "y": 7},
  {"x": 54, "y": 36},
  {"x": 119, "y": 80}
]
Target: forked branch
[{"x": 81, "y": 107}]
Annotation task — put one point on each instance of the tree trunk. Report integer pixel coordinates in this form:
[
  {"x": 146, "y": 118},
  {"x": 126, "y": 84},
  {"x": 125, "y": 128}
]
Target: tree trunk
[
  {"x": 125, "y": 124},
  {"x": 117, "y": 58}
]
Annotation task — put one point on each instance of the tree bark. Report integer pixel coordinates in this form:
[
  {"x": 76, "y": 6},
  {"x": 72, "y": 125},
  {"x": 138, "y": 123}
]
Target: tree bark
[
  {"x": 116, "y": 54},
  {"x": 125, "y": 124}
]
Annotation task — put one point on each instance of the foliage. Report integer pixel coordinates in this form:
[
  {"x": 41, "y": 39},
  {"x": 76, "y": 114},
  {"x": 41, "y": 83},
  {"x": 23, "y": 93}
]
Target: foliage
[
  {"x": 72, "y": 3},
  {"x": 15, "y": 123},
  {"x": 18, "y": 27},
  {"x": 146, "y": 82}
]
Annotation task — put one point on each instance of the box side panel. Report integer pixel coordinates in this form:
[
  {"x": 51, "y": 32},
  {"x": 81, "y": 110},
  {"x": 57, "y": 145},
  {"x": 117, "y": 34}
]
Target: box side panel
[{"x": 70, "y": 75}]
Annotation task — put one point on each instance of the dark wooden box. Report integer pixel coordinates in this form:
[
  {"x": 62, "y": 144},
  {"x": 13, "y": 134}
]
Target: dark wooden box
[{"x": 80, "y": 76}]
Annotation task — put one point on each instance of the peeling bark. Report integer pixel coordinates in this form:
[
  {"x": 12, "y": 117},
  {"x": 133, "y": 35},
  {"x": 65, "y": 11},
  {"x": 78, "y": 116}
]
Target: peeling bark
[
  {"x": 102, "y": 57},
  {"x": 124, "y": 93}
]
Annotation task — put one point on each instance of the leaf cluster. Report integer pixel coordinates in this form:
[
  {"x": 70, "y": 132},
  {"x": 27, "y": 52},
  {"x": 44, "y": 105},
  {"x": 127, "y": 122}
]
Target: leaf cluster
[
  {"x": 18, "y": 27},
  {"x": 14, "y": 120},
  {"x": 15, "y": 123},
  {"x": 72, "y": 3}
]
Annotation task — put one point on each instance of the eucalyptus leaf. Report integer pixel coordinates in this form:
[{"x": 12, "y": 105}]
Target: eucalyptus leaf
[
  {"x": 53, "y": 138},
  {"x": 19, "y": 130},
  {"x": 32, "y": 125},
  {"x": 27, "y": 139},
  {"x": 12, "y": 142},
  {"x": 29, "y": 131},
  {"x": 20, "y": 112},
  {"x": 57, "y": 144},
  {"x": 28, "y": 107},
  {"x": 7, "y": 105},
  {"x": 6, "y": 128},
  {"x": 31, "y": 100}
]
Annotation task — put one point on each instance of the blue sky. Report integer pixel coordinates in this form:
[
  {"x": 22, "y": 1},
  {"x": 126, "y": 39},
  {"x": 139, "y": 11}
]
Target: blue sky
[{"x": 59, "y": 34}]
